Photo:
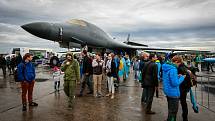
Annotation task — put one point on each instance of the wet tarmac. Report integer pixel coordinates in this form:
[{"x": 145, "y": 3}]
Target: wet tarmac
[{"x": 53, "y": 105}]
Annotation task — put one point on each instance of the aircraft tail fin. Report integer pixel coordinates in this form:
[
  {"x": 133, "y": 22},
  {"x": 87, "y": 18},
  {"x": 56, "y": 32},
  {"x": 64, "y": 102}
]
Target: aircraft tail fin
[
  {"x": 128, "y": 42},
  {"x": 128, "y": 38}
]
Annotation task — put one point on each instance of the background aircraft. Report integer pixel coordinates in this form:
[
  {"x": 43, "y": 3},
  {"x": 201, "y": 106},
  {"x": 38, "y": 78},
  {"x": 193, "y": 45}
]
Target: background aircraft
[{"x": 209, "y": 60}]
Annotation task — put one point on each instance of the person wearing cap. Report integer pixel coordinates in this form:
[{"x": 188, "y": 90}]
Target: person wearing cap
[{"x": 71, "y": 70}]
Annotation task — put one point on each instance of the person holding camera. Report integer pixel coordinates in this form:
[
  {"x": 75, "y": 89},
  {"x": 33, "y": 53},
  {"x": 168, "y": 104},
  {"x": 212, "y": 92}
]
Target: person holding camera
[{"x": 71, "y": 70}]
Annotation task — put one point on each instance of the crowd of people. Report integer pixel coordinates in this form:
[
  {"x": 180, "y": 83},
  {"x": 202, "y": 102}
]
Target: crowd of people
[
  {"x": 9, "y": 63},
  {"x": 95, "y": 68},
  {"x": 149, "y": 69},
  {"x": 175, "y": 76}
]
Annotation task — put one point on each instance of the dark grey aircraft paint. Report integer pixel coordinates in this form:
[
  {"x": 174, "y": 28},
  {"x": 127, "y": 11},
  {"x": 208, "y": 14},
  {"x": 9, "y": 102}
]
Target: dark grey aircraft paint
[
  {"x": 78, "y": 33},
  {"x": 75, "y": 31}
]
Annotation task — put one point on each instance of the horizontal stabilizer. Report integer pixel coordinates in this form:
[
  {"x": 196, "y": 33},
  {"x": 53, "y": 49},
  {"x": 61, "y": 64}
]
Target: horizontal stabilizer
[{"x": 135, "y": 44}]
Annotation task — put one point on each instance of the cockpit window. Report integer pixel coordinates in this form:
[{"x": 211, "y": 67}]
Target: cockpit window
[{"x": 77, "y": 22}]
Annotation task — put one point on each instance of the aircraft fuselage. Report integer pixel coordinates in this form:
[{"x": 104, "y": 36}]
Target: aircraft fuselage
[{"x": 75, "y": 31}]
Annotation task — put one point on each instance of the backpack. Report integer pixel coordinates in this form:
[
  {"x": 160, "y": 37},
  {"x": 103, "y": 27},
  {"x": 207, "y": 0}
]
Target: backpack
[
  {"x": 16, "y": 73},
  {"x": 193, "y": 79},
  {"x": 120, "y": 65}
]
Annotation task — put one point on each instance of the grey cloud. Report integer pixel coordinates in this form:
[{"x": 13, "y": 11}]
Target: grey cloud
[
  {"x": 156, "y": 21},
  {"x": 13, "y": 36}
]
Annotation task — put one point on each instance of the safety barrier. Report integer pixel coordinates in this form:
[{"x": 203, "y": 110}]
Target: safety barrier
[{"x": 205, "y": 91}]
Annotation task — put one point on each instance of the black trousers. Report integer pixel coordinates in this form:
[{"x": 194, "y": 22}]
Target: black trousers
[
  {"x": 149, "y": 94},
  {"x": 183, "y": 101},
  {"x": 87, "y": 79},
  {"x": 3, "y": 70}
]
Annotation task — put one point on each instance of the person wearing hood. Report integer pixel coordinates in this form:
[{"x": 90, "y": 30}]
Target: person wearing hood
[
  {"x": 127, "y": 66},
  {"x": 71, "y": 70},
  {"x": 171, "y": 83},
  {"x": 121, "y": 68},
  {"x": 26, "y": 75}
]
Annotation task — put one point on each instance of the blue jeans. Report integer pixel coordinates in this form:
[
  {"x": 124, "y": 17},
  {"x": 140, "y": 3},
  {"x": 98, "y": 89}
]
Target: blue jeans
[
  {"x": 172, "y": 108},
  {"x": 86, "y": 79}
]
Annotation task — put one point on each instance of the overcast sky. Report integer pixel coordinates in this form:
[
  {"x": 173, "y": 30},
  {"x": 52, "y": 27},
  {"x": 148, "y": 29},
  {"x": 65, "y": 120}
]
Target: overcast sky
[{"x": 158, "y": 23}]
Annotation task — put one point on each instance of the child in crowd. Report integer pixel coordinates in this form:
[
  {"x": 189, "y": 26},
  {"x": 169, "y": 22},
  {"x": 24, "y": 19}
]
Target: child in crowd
[{"x": 56, "y": 78}]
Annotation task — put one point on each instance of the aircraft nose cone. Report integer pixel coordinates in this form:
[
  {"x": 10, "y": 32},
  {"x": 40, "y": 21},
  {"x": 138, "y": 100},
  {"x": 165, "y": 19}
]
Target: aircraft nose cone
[{"x": 40, "y": 29}]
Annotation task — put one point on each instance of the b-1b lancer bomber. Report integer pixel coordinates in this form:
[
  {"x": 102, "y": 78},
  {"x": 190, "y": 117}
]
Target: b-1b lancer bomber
[
  {"x": 79, "y": 33},
  {"x": 74, "y": 33}
]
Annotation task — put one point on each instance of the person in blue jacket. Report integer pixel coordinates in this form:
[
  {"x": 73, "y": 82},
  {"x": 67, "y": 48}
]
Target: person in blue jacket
[
  {"x": 26, "y": 75},
  {"x": 127, "y": 66},
  {"x": 171, "y": 83}
]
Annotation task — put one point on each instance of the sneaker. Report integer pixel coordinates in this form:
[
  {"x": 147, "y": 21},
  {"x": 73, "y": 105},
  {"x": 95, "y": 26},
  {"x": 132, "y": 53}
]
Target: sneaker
[
  {"x": 100, "y": 95},
  {"x": 24, "y": 107},
  {"x": 80, "y": 95},
  {"x": 70, "y": 105},
  {"x": 112, "y": 97},
  {"x": 90, "y": 93},
  {"x": 33, "y": 104},
  {"x": 107, "y": 95},
  {"x": 96, "y": 95}
]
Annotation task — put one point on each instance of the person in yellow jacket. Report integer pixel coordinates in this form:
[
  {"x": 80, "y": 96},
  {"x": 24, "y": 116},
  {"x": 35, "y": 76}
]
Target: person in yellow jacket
[{"x": 71, "y": 70}]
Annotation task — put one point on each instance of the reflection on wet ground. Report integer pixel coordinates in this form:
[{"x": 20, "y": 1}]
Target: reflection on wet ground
[{"x": 53, "y": 106}]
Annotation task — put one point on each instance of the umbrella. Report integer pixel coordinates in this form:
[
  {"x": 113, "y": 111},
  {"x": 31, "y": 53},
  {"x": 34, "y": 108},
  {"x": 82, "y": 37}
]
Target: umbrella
[{"x": 193, "y": 101}]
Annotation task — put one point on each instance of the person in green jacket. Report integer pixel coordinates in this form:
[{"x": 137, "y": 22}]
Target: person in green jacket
[{"x": 71, "y": 70}]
